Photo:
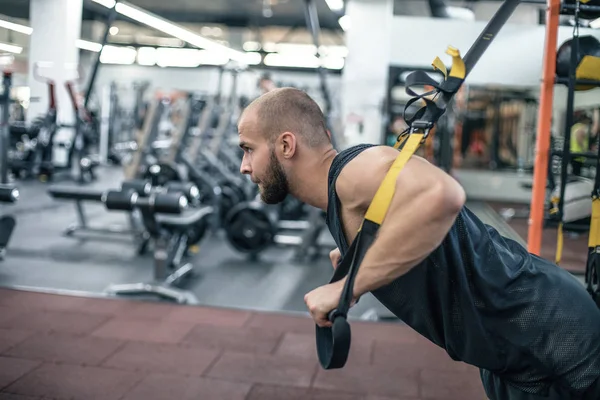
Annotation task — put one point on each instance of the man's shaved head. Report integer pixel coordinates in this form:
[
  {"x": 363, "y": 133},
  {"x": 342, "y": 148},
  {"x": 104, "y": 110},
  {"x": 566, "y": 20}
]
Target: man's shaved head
[{"x": 289, "y": 110}]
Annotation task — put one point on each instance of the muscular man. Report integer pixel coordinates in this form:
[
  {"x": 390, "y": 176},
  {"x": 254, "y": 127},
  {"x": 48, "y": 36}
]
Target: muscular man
[{"x": 530, "y": 327}]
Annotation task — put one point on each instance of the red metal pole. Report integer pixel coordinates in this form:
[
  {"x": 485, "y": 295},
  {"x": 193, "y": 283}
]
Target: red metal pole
[{"x": 542, "y": 146}]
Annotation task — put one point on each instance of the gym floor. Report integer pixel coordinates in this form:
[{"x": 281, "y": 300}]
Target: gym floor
[{"x": 250, "y": 337}]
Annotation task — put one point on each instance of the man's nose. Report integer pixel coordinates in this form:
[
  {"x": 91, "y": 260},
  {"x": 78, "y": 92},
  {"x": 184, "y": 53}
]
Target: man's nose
[{"x": 244, "y": 168}]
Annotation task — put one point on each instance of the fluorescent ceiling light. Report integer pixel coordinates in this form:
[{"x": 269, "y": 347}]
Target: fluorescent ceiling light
[
  {"x": 345, "y": 22},
  {"x": 89, "y": 46},
  {"x": 251, "y": 46},
  {"x": 146, "y": 56},
  {"x": 106, "y": 3},
  {"x": 118, "y": 55},
  {"x": 16, "y": 27},
  {"x": 177, "y": 57},
  {"x": 11, "y": 48},
  {"x": 253, "y": 58},
  {"x": 335, "y": 5},
  {"x": 169, "y": 28}
]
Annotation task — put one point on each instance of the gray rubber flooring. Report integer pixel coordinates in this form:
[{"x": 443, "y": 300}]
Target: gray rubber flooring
[{"x": 40, "y": 257}]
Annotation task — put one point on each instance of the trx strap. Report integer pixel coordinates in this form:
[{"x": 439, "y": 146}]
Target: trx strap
[
  {"x": 333, "y": 343},
  {"x": 592, "y": 268}
]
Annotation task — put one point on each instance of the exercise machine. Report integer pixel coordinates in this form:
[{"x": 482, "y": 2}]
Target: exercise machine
[
  {"x": 172, "y": 226},
  {"x": 8, "y": 193}
]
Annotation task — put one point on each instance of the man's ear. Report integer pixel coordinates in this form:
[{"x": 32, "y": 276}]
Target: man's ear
[{"x": 288, "y": 143}]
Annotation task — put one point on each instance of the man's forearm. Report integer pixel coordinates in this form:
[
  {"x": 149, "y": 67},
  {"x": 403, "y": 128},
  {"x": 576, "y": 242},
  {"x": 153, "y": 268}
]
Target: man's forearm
[{"x": 407, "y": 236}]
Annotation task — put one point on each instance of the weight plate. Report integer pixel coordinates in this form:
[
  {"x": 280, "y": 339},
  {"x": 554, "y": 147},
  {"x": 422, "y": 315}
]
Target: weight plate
[
  {"x": 196, "y": 232},
  {"x": 249, "y": 228},
  {"x": 160, "y": 174},
  {"x": 229, "y": 198}
]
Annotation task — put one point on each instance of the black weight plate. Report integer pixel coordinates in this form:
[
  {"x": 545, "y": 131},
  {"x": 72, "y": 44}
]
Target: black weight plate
[
  {"x": 196, "y": 232},
  {"x": 249, "y": 229},
  {"x": 229, "y": 198},
  {"x": 167, "y": 173}
]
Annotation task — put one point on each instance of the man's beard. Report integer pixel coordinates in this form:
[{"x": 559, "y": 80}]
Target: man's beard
[{"x": 275, "y": 187}]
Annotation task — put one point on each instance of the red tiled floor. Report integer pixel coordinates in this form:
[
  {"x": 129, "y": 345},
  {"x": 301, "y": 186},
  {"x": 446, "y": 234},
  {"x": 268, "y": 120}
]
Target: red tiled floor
[
  {"x": 162, "y": 358},
  {"x": 74, "y": 382},
  {"x": 161, "y": 387},
  {"x": 279, "y": 322},
  {"x": 65, "y": 348},
  {"x": 12, "y": 337},
  {"x": 144, "y": 330},
  {"x": 82, "y": 348},
  {"x": 253, "y": 368},
  {"x": 371, "y": 379},
  {"x": 12, "y": 369},
  {"x": 55, "y": 321},
  {"x": 209, "y": 316},
  {"x": 252, "y": 340},
  {"x": 272, "y": 392}
]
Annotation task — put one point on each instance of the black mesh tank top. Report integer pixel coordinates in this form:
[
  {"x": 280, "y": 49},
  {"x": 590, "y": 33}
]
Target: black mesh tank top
[{"x": 488, "y": 302}]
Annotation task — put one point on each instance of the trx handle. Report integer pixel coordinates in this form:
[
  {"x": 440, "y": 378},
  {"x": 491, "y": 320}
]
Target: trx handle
[{"x": 333, "y": 343}]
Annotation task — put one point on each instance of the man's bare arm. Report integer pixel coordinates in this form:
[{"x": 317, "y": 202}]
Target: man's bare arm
[{"x": 423, "y": 209}]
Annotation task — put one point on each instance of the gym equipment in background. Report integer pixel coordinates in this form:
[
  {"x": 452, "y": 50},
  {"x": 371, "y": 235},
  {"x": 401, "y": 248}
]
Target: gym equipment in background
[
  {"x": 172, "y": 235},
  {"x": 8, "y": 193},
  {"x": 588, "y": 9},
  {"x": 556, "y": 216},
  {"x": 587, "y": 60}
]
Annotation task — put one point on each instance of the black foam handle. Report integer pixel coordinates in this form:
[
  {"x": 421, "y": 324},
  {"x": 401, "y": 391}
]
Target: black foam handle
[
  {"x": 8, "y": 194},
  {"x": 140, "y": 186},
  {"x": 76, "y": 193},
  {"x": 188, "y": 189},
  {"x": 163, "y": 203},
  {"x": 122, "y": 200}
]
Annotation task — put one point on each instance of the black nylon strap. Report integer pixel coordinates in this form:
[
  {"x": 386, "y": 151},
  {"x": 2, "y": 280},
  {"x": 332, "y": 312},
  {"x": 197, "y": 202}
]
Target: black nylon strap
[{"x": 333, "y": 344}]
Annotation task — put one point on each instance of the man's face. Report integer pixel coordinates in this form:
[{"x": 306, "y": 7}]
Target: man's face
[{"x": 261, "y": 163}]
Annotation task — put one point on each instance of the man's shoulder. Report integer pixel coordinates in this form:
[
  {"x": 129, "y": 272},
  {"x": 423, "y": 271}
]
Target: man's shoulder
[{"x": 361, "y": 176}]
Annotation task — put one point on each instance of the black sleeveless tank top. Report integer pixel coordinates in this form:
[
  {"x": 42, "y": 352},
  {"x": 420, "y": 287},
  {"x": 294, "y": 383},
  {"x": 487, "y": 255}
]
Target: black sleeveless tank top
[{"x": 488, "y": 302}]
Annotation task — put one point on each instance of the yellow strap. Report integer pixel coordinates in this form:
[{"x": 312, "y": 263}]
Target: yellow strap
[
  {"x": 594, "y": 239},
  {"x": 459, "y": 70},
  {"x": 401, "y": 140},
  {"x": 559, "y": 243},
  {"x": 439, "y": 65},
  {"x": 383, "y": 197},
  {"x": 379, "y": 206}
]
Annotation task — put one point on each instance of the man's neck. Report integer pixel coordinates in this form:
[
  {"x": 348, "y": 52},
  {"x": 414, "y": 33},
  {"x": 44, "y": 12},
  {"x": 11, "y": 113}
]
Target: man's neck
[{"x": 312, "y": 182}]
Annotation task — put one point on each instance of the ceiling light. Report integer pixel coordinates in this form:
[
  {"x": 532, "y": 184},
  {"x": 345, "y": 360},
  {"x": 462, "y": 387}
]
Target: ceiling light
[
  {"x": 11, "y": 48},
  {"x": 251, "y": 46},
  {"x": 335, "y": 5},
  {"x": 118, "y": 55},
  {"x": 167, "y": 27},
  {"x": 89, "y": 46},
  {"x": 106, "y": 3},
  {"x": 16, "y": 27},
  {"x": 146, "y": 56},
  {"x": 113, "y": 30},
  {"x": 345, "y": 22}
]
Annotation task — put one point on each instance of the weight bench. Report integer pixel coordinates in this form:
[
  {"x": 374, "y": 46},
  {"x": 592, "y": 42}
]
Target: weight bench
[
  {"x": 82, "y": 226},
  {"x": 8, "y": 194},
  {"x": 173, "y": 235}
]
